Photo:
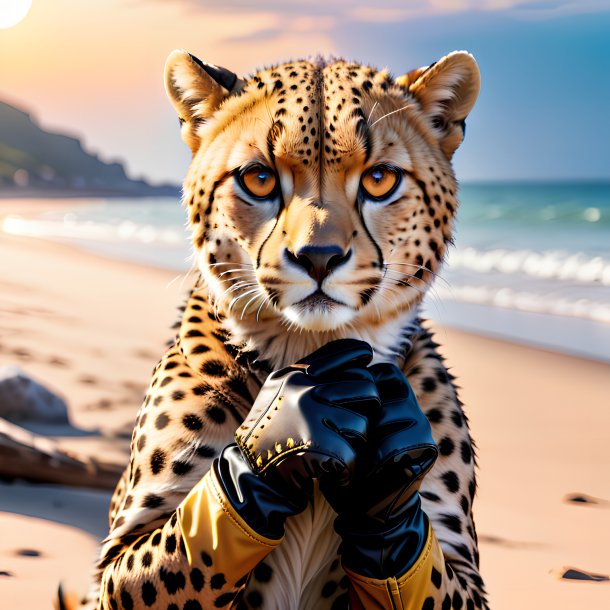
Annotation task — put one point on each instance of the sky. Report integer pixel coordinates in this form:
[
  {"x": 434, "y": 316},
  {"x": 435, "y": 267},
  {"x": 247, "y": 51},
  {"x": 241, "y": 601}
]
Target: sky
[{"x": 95, "y": 69}]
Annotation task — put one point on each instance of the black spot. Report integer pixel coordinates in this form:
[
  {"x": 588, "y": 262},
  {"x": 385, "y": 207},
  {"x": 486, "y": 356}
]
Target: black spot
[
  {"x": 156, "y": 539},
  {"x": 469, "y": 604},
  {"x": 178, "y": 395},
  {"x": 465, "y": 505},
  {"x": 149, "y": 593},
  {"x": 428, "y": 384},
  {"x": 152, "y": 501},
  {"x": 110, "y": 585},
  {"x": 126, "y": 600},
  {"x": 452, "y": 522},
  {"x": 157, "y": 401},
  {"x": 464, "y": 551},
  {"x": 255, "y": 599},
  {"x": 206, "y": 559},
  {"x": 170, "y": 365},
  {"x": 263, "y": 572},
  {"x": 141, "y": 442},
  {"x": 202, "y": 389},
  {"x": 147, "y": 559},
  {"x": 200, "y": 349},
  {"x": 457, "y": 601},
  {"x": 172, "y": 580},
  {"x": 192, "y": 604},
  {"x": 430, "y": 496},
  {"x": 197, "y": 579},
  {"x": 170, "y": 544},
  {"x": 466, "y": 452},
  {"x": 214, "y": 368},
  {"x": 472, "y": 488},
  {"x": 446, "y": 446},
  {"x": 216, "y": 414},
  {"x": 218, "y": 581},
  {"x": 451, "y": 481},
  {"x": 446, "y": 602},
  {"x": 457, "y": 418},
  {"x": 157, "y": 461},
  {"x": 436, "y": 578},
  {"x": 434, "y": 416},
  {"x": 161, "y": 421},
  {"x": 165, "y": 381},
  {"x": 192, "y": 422},
  {"x": 329, "y": 588},
  {"x": 205, "y": 451},
  {"x": 181, "y": 468},
  {"x": 428, "y": 603}
]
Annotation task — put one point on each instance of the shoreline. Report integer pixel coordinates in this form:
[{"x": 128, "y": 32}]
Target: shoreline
[
  {"x": 92, "y": 328},
  {"x": 568, "y": 334}
]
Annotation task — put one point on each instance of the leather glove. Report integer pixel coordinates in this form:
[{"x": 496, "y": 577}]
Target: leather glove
[
  {"x": 379, "y": 515},
  {"x": 308, "y": 419},
  {"x": 311, "y": 418}
]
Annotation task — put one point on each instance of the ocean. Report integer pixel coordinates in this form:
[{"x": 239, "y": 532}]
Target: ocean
[{"x": 531, "y": 261}]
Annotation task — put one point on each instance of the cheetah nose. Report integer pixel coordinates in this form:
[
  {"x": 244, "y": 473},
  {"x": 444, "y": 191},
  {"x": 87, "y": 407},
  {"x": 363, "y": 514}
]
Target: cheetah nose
[{"x": 319, "y": 261}]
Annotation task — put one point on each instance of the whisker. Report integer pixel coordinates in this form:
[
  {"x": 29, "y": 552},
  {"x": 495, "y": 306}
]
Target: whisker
[
  {"x": 256, "y": 296},
  {"x": 422, "y": 267},
  {"x": 368, "y": 121},
  {"x": 230, "y": 263},
  {"x": 265, "y": 300},
  {"x": 391, "y": 113},
  {"x": 241, "y": 296}
]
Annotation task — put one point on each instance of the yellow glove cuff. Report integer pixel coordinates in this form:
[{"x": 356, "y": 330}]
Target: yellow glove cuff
[
  {"x": 211, "y": 526},
  {"x": 406, "y": 592}
]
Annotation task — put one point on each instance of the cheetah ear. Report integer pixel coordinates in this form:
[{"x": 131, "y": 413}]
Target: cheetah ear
[
  {"x": 447, "y": 91},
  {"x": 196, "y": 89}
]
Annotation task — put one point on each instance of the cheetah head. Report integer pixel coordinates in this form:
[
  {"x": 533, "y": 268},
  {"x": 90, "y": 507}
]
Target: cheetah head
[{"x": 321, "y": 193}]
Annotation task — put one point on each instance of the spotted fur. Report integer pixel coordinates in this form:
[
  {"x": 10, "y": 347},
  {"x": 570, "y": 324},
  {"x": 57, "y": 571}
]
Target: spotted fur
[{"x": 319, "y": 125}]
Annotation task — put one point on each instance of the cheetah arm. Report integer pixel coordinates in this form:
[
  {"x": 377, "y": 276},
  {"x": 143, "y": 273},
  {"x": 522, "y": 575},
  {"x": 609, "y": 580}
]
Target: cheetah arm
[
  {"x": 446, "y": 573},
  {"x": 174, "y": 539}
]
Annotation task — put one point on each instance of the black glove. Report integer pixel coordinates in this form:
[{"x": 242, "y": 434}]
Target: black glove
[
  {"x": 379, "y": 515},
  {"x": 309, "y": 419}
]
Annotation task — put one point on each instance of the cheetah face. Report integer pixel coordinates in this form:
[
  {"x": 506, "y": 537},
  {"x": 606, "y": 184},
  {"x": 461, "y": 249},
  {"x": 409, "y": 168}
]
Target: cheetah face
[{"x": 321, "y": 193}]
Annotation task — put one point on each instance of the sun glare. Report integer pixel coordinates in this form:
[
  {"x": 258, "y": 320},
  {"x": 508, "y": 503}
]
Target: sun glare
[{"x": 12, "y": 12}]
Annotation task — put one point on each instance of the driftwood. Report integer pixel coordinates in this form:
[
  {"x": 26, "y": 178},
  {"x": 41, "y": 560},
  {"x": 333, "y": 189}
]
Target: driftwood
[{"x": 24, "y": 455}]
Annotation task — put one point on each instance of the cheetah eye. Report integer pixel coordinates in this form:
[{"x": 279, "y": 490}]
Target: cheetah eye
[
  {"x": 379, "y": 182},
  {"x": 258, "y": 181}
]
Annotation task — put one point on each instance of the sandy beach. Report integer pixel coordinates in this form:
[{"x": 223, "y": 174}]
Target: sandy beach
[{"x": 92, "y": 328}]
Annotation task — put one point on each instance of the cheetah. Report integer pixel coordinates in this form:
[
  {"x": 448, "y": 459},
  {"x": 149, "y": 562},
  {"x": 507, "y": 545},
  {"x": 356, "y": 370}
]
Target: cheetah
[{"x": 321, "y": 199}]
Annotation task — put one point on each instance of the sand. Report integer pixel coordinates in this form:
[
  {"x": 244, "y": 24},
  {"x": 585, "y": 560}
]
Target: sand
[{"x": 92, "y": 329}]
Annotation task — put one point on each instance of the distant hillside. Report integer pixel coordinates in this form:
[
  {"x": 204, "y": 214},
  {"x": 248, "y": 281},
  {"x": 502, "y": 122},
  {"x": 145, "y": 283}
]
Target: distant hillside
[{"x": 32, "y": 159}]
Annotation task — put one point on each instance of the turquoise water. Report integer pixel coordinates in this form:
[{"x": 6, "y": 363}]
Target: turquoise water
[{"x": 531, "y": 261}]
